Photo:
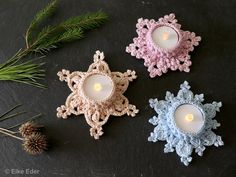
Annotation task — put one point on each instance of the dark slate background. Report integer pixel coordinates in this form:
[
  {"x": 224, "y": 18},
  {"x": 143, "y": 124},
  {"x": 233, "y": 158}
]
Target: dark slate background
[{"x": 123, "y": 151}]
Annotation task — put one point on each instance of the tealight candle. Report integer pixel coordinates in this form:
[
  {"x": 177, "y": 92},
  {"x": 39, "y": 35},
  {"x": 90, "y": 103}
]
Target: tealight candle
[
  {"x": 189, "y": 118},
  {"x": 98, "y": 87},
  {"x": 165, "y": 37}
]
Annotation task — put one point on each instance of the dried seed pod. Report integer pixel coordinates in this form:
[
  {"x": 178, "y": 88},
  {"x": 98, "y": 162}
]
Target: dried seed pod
[
  {"x": 35, "y": 144},
  {"x": 28, "y": 129}
]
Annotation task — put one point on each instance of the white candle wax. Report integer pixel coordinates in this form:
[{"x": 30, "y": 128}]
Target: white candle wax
[
  {"x": 165, "y": 37},
  {"x": 189, "y": 118},
  {"x": 98, "y": 87}
]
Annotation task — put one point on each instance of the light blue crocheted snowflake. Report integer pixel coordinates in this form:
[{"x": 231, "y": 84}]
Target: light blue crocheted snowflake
[{"x": 166, "y": 129}]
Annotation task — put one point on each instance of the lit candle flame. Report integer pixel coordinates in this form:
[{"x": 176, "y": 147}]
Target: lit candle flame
[
  {"x": 97, "y": 87},
  {"x": 165, "y": 36},
  {"x": 189, "y": 117}
]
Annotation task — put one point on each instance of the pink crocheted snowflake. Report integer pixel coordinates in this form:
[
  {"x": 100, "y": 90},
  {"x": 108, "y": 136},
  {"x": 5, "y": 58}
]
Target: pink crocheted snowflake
[{"x": 157, "y": 59}]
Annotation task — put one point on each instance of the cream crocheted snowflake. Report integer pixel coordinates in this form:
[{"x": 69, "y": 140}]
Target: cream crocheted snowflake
[{"x": 97, "y": 112}]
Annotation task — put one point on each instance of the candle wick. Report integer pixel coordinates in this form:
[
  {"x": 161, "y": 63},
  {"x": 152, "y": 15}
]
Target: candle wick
[
  {"x": 97, "y": 87},
  {"x": 189, "y": 117},
  {"x": 165, "y": 36}
]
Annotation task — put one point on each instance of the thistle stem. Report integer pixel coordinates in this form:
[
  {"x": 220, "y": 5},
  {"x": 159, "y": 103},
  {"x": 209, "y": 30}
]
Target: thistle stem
[
  {"x": 9, "y": 131},
  {"x": 5, "y": 131}
]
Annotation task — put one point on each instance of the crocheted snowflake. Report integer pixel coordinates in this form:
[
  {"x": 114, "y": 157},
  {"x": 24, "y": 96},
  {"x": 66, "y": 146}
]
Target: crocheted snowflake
[
  {"x": 166, "y": 129},
  {"x": 160, "y": 60},
  {"x": 97, "y": 113}
]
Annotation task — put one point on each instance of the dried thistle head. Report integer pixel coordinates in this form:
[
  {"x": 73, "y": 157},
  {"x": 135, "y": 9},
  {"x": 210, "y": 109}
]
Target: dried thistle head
[
  {"x": 28, "y": 129},
  {"x": 35, "y": 144}
]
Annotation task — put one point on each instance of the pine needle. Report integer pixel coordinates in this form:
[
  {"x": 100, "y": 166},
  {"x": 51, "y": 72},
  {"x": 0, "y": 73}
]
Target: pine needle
[
  {"x": 30, "y": 119},
  {"x": 27, "y": 72},
  {"x": 12, "y": 115},
  {"x": 10, "y": 110}
]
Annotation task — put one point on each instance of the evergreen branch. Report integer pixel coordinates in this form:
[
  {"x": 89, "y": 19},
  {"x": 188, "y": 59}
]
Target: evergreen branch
[
  {"x": 48, "y": 33},
  {"x": 68, "y": 36},
  {"x": 86, "y": 22},
  {"x": 50, "y": 37},
  {"x": 38, "y": 19},
  {"x": 68, "y": 31}
]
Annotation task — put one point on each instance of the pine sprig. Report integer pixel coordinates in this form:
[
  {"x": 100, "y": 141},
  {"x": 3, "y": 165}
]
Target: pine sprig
[
  {"x": 68, "y": 36},
  {"x": 86, "y": 22},
  {"x": 68, "y": 31},
  {"x": 41, "y": 41},
  {"x": 38, "y": 19}
]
